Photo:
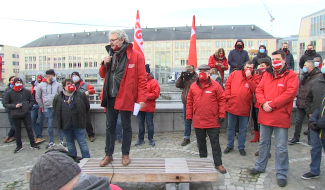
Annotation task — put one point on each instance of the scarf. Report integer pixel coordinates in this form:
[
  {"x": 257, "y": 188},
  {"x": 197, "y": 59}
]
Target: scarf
[
  {"x": 117, "y": 54},
  {"x": 68, "y": 96}
]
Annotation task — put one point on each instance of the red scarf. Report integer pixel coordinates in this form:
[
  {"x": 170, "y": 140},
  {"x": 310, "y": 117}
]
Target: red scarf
[{"x": 17, "y": 88}]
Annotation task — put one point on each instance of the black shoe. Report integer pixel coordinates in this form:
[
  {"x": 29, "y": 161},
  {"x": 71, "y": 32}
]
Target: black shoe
[
  {"x": 254, "y": 171},
  {"x": 306, "y": 132},
  {"x": 294, "y": 140},
  {"x": 18, "y": 149},
  {"x": 309, "y": 176},
  {"x": 282, "y": 182},
  {"x": 35, "y": 147},
  {"x": 227, "y": 150},
  {"x": 242, "y": 152}
]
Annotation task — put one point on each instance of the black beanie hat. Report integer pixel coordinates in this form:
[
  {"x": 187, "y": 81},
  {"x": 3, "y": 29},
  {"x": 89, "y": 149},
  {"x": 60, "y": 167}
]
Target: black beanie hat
[
  {"x": 147, "y": 68},
  {"x": 18, "y": 79},
  {"x": 52, "y": 171},
  {"x": 50, "y": 72},
  {"x": 76, "y": 73}
]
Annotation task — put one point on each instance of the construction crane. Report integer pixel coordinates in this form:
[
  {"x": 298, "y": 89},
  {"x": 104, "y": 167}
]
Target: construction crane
[{"x": 272, "y": 19}]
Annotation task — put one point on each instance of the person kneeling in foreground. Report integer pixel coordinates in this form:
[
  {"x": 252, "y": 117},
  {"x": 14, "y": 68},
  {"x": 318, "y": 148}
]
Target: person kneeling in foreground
[
  {"x": 206, "y": 107},
  {"x": 57, "y": 171}
]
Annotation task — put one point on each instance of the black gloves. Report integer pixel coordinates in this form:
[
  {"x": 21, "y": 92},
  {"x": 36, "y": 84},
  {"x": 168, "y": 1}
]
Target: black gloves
[
  {"x": 312, "y": 126},
  {"x": 190, "y": 121},
  {"x": 221, "y": 120}
]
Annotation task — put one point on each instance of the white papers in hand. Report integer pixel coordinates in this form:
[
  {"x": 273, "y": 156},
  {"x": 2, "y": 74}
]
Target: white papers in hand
[{"x": 136, "y": 109}]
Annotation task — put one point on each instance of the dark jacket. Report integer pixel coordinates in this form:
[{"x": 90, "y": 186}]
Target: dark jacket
[
  {"x": 4, "y": 94},
  {"x": 259, "y": 56},
  {"x": 289, "y": 60},
  {"x": 185, "y": 85},
  {"x": 306, "y": 56},
  {"x": 319, "y": 117},
  {"x": 92, "y": 182},
  {"x": 12, "y": 98},
  {"x": 304, "y": 86},
  {"x": 315, "y": 95},
  {"x": 81, "y": 102},
  {"x": 84, "y": 86},
  {"x": 236, "y": 58}
]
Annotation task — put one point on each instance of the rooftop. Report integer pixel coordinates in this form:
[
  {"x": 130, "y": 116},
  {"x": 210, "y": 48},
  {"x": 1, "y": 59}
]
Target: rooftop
[
  {"x": 315, "y": 13},
  {"x": 156, "y": 34}
]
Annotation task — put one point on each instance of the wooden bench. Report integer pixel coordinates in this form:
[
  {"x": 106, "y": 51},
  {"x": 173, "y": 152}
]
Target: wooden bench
[{"x": 166, "y": 170}]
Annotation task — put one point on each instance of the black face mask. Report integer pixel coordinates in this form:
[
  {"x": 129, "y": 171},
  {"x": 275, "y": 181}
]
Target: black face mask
[
  {"x": 285, "y": 49},
  {"x": 310, "y": 51},
  {"x": 239, "y": 46}
]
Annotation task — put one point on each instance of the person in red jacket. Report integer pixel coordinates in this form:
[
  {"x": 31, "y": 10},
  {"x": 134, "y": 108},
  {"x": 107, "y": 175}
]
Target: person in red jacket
[
  {"x": 219, "y": 61},
  {"x": 146, "y": 113},
  {"x": 206, "y": 107},
  {"x": 125, "y": 84},
  {"x": 88, "y": 89},
  {"x": 239, "y": 89},
  {"x": 275, "y": 95}
]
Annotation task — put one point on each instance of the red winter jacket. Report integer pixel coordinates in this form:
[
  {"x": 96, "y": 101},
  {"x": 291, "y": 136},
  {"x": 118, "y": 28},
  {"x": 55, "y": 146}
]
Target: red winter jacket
[
  {"x": 213, "y": 62},
  {"x": 205, "y": 105},
  {"x": 152, "y": 95},
  {"x": 239, "y": 92},
  {"x": 133, "y": 86},
  {"x": 281, "y": 90}
]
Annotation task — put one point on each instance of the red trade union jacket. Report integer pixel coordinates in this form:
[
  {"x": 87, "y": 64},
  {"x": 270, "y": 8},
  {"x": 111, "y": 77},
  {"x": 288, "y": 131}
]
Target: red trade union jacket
[
  {"x": 133, "y": 86},
  {"x": 213, "y": 62},
  {"x": 152, "y": 95},
  {"x": 239, "y": 92},
  {"x": 281, "y": 90},
  {"x": 205, "y": 105}
]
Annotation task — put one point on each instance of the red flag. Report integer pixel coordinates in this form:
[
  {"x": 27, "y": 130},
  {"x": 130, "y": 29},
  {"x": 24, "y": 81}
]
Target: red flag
[
  {"x": 192, "y": 58},
  {"x": 138, "y": 41},
  {"x": 0, "y": 68}
]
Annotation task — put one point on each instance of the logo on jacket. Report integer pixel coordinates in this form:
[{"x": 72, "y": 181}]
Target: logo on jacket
[
  {"x": 247, "y": 85},
  {"x": 131, "y": 65},
  {"x": 208, "y": 92},
  {"x": 280, "y": 84}
]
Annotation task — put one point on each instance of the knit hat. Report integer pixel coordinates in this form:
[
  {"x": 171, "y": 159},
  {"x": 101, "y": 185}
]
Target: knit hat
[
  {"x": 40, "y": 73},
  {"x": 18, "y": 79},
  {"x": 147, "y": 68},
  {"x": 50, "y": 72},
  {"x": 52, "y": 171},
  {"x": 76, "y": 73}
]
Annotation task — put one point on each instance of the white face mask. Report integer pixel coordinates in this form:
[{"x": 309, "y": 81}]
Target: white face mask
[{"x": 316, "y": 64}]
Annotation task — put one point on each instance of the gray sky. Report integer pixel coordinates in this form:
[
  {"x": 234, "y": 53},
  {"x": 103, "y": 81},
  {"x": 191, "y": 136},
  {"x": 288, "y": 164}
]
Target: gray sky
[{"x": 287, "y": 15}]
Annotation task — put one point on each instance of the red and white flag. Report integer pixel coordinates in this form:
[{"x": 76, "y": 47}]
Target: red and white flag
[
  {"x": 192, "y": 58},
  {"x": 138, "y": 41}
]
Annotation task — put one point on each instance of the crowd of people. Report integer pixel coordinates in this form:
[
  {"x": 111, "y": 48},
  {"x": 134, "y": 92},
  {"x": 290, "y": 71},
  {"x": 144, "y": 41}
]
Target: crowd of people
[{"x": 263, "y": 88}]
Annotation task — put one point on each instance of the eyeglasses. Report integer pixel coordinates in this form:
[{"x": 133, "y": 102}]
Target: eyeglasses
[{"x": 113, "y": 40}]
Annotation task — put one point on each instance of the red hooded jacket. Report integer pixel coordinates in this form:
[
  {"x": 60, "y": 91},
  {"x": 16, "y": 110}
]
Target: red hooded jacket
[
  {"x": 239, "y": 92},
  {"x": 213, "y": 62},
  {"x": 281, "y": 90},
  {"x": 152, "y": 95},
  {"x": 205, "y": 105},
  {"x": 133, "y": 86}
]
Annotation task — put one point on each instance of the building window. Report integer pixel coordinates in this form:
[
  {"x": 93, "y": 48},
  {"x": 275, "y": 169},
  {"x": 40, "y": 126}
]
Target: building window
[
  {"x": 59, "y": 50},
  {"x": 69, "y": 49},
  {"x": 34, "y": 51},
  {"x": 208, "y": 52},
  {"x": 44, "y": 66},
  {"x": 102, "y": 48},
  {"x": 149, "y": 46},
  {"x": 59, "y": 65},
  {"x": 26, "y": 66},
  {"x": 3, "y": 62},
  {"x": 34, "y": 58},
  {"x": 34, "y": 66},
  {"x": 55, "y": 58},
  {"x": 182, "y": 45},
  {"x": 30, "y": 59},
  {"x": 63, "y": 65},
  {"x": 217, "y": 44},
  {"x": 79, "y": 57},
  {"x": 48, "y": 50},
  {"x": 168, "y": 45},
  {"x": 3, "y": 70},
  {"x": 70, "y": 57},
  {"x": 95, "y": 63},
  {"x": 39, "y": 58},
  {"x": 266, "y": 43},
  {"x": 70, "y": 65},
  {"x": 176, "y": 45},
  {"x": 48, "y": 58},
  {"x": 259, "y": 42},
  {"x": 55, "y": 65},
  {"x": 250, "y": 44},
  {"x": 208, "y": 44},
  {"x": 54, "y": 50},
  {"x": 48, "y": 66},
  {"x": 162, "y": 45},
  {"x": 26, "y": 59},
  {"x": 74, "y": 57},
  {"x": 74, "y": 65},
  {"x": 86, "y": 64},
  {"x": 176, "y": 54},
  {"x": 229, "y": 44},
  {"x": 202, "y": 44},
  {"x": 223, "y": 44},
  {"x": 187, "y": 44},
  {"x": 302, "y": 48},
  {"x": 14, "y": 63},
  {"x": 79, "y": 65},
  {"x": 40, "y": 66},
  {"x": 95, "y": 48},
  {"x": 26, "y": 51},
  {"x": 74, "y": 48},
  {"x": 202, "y": 53},
  {"x": 184, "y": 62},
  {"x": 156, "y": 45},
  {"x": 30, "y": 66},
  {"x": 314, "y": 44}
]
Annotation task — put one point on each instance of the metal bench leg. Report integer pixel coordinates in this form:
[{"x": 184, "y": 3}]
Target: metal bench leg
[{"x": 177, "y": 186}]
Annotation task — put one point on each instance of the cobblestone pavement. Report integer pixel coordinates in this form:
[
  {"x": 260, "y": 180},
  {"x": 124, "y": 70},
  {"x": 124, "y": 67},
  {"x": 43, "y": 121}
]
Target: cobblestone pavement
[{"x": 13, "y": 166}]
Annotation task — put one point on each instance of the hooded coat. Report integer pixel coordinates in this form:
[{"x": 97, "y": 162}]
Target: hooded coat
[
  {"x": 306, "y": 56},
  {"x": 152, "y": 95},
  {"x": 259, "y": 56},
  {"x": 237, "y": 58}
]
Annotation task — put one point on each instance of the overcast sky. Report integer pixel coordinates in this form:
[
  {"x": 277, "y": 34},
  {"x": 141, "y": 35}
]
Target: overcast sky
[{"x": 287, "y": 14}]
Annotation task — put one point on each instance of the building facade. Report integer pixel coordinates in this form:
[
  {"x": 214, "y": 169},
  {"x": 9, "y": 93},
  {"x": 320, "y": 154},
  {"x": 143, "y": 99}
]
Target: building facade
[
  {"x": 311, "y": 33},
  {"x": 10, "y": 62},
  {"x": 165, "y": 49}
]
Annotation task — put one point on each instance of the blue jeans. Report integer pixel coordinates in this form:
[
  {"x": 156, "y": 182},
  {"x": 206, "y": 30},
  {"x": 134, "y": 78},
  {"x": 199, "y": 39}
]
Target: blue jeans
[
  {"x": 148, "y": 117},
  {"x": 232, "y": 120},
  {"x": 118, "y": 132},
  {"x": 281, "y": 151},
  {"x": 315, "y": 152},
  {"x": 49, "y": 116},
  {"x": 187, "y": 132},
  {"x": 12, "y": 131},
  {"x": 37, "y": 121},
  {"x": 80, "y": 135}
]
